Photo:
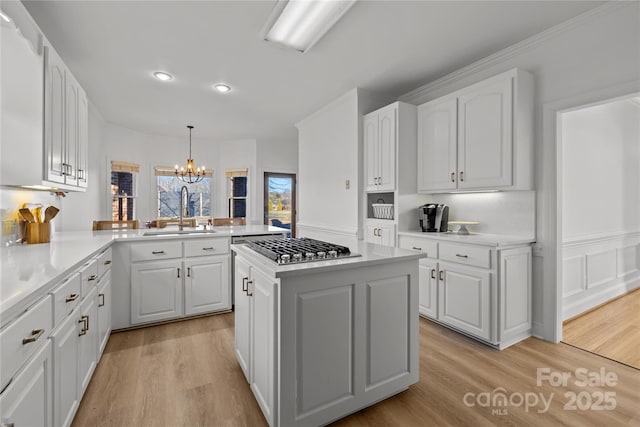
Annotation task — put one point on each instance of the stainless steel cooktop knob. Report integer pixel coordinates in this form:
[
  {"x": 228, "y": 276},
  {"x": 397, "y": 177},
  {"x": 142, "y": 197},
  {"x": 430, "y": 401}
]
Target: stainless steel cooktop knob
[
  {"x": 321, "y": 254},
  {"x": 285, "y": 259},
  {"x": 309, "y": 255},
  {"x": 333, "y": 254},
  {"x": 297, "y": 257}
]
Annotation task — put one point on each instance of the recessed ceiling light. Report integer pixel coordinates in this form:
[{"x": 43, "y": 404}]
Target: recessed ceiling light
[
  {"x": 161, "y": 75},
  {"x": 221, "y": 87},
  {"x": 4, "y": 17}
]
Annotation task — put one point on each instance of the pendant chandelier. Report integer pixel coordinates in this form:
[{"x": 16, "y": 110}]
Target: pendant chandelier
[{"x": 190, "y": 174}]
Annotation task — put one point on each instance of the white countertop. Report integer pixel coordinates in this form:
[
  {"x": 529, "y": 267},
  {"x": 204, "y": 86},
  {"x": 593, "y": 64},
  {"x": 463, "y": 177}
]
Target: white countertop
[
  {"x": 498, "y": 240},
  {"x": 369, "y": 254},
  {"x": 30, "y": 271}
]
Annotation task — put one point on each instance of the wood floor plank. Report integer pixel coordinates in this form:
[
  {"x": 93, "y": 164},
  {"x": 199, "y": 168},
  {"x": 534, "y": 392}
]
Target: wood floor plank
[
  {"x": 611, "y": 330},
  {"x": 186, "y": 374}
]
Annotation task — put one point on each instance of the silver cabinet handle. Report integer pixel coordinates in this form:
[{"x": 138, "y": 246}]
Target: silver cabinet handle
[
  {"x": 178, "y": 272},
  {"x": 441, "y": 275},
  {"x": 433, "y": 273},
  {"x": 461, "y": 176},
  {"x": 416, "y": 248},
  {"x": 462, "y": 256},
  {"x": 244, "y": 284},
  {"x": 85, "y": 325},
  {"x": 107, "y": 262},
  {"x": 188, "y": 271},
  {"x": 72, "y": 297},
  {"x": 35, "y": 334},
  {"x": 157, "y": 252},
  {"x": 101, "y": 304},
  {"x": 453, "y": 177},
  {"x": 92, "y": 278},
  {"x": 249, "y": 293},
  {"x": 211, "y": 248}
]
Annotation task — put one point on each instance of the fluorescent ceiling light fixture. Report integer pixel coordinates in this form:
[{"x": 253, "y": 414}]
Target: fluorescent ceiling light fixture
[
  {"x": 221, "y": 87},
  {"x": 161, "y": 75},
  {"x": 4, "y": 17},
  {"x": 301, "y": 23}
]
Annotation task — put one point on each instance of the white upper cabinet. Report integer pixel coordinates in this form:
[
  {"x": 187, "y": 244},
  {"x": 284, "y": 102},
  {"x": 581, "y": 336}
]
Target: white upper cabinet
[
  {"x": 380, "y": 139},
  {"x": 478, "y": 138}
]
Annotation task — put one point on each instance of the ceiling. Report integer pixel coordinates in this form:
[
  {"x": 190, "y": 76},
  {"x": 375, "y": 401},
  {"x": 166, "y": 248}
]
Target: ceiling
[{"x": 392, "y": 47}]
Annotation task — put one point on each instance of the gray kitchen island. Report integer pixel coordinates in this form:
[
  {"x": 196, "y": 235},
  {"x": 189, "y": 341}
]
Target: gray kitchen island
[{"x": 319, "y": 340}]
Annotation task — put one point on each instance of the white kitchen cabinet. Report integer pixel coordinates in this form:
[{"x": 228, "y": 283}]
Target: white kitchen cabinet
[
  {"x": 66, "y": 362},
  {"x": 88, "y": 342},
  {"x": 27, "y": 401},
  {"x": 480, "y": 289},
  {"x": 381, "y": 232},
  {"x": 206, "y": 286},
  {"x": 464, "y": 299},
  {"x": 478, "y": 138},
  {"x": 380, "y": 149},
  {"x": 82, "y": 153},
  {"x": 243, "y": 316},
  {"x": 156, "y": 290},
  {"x": 104, "y": 312},
  {"x": 428, "y": 288}
]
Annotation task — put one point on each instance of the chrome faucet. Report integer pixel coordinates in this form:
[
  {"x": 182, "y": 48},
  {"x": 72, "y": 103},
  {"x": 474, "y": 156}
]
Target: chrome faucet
[{"x": 183, "y": 190}]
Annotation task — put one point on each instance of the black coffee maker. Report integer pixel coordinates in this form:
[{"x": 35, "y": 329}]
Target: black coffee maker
[{"x": 434, "y": 217}]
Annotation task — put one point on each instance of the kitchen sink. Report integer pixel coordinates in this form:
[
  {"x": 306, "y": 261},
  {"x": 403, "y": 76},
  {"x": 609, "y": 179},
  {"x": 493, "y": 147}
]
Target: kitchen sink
[{"x": 177, "y": 232}]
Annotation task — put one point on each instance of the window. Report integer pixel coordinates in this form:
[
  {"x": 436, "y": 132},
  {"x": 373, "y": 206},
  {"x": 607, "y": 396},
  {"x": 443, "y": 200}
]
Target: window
[
  {"x": 168, "y": 189},
  {"x": 237, "y": 190},
  {"x": 123, "y": 192}
]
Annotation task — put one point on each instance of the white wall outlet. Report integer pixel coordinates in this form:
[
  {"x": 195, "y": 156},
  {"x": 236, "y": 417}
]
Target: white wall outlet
[{"x": 347, "y": 184}]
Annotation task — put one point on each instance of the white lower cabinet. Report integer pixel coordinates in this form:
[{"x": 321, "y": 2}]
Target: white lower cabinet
[
  {"x": 156, "y": 291},
  {"x": 381, "y": 232},
  {"x": 104, "y": 312},
  {"x": 242, "y": 316},
  {"x": 481, "y": 290},
  {"x": 27, "y": 401},
  {"x": 206, "y": 286},
  {"x": 66, "y": 355},
  {"x": 88, "y": 342}
]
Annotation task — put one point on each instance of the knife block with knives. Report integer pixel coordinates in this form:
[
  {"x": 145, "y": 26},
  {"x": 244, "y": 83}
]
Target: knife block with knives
[{"x": 36, "y": 228}]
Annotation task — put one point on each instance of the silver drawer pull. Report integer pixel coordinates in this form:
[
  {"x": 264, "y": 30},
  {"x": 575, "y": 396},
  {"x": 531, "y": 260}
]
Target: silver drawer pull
[
  {"x": 35, "y": 334},
  {"x": 101, "y": 304},
  {"x": 107, "y": 262},
  {"x": 92, "y": 277},
  {"x": 157, "y": 252},
  {"x": 72, "y": 297},
  {"x": 416, "y": 248},
  {"x": 461, "y": 256},
  {"x": 208, "y": 249},
  {"x": 85, "y": 325}
]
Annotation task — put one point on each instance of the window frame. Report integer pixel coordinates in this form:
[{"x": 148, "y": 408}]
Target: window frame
[{"x": 170, "y": 171}]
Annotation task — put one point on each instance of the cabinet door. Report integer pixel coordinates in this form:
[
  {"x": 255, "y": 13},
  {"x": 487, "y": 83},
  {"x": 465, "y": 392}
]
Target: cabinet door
[
  {"x": 371, "y": 152},
  {"x": 54, "y": 117},
  {"x": 485, "y": 139},
  {"x": 71, "y": 129},
  {"x": 65, "y": 369},
  {"x": 261, "y": 288},
  {"x": 207, "y": 285},
  {"x": 428, "y": 289},
  {"x": 242, "y": 316},
  {"x": 371, "y": 234},
  {"x": 27, "y": 401},
  {"x": 88, "y": 348},
  {"x": 437, "y": 145},
  {"x": 104, "y": 312},
  {"x": 387, "y": 149},
  {"x": 387, "y": 234},
  {"x": 82, "y": 171},
  {"x": 156, "y": 291},
  {"x": 464, "y": 299}
]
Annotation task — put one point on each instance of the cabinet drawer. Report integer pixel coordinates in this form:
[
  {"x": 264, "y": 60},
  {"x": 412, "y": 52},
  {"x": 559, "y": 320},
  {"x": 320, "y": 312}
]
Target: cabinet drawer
[
  {"x": 200, "y": 247},
  {"x": 89, "y": 276},
  {"x": 66, "y": 297},
  {"x": 156, "y": 250},
  {"x": 104, "y": 262},
  {"x": 478, "y": 256},
  {"x": 23, "y": 337},
  {"x": 429, "y": 247}
]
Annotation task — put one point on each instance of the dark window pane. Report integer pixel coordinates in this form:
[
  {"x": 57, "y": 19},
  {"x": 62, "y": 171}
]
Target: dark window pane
[
  {"x": 239, "y": 186},
  {"x": 239, "y": 208}
]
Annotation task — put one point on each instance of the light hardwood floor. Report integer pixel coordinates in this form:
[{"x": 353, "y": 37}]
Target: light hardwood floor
[
  {"x": 185, "y": 374},
  {"x": 611, "y": 330}
]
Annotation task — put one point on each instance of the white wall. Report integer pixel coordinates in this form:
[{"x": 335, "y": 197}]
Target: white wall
[
  {"x": 601, "y": 204},
  {"x": 596, "y": 51},
  {"x": 601, "y": 169}
]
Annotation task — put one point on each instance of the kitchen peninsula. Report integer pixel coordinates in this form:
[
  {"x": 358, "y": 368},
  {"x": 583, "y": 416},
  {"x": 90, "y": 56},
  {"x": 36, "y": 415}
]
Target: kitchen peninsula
[{"x": 320, "y": 340}]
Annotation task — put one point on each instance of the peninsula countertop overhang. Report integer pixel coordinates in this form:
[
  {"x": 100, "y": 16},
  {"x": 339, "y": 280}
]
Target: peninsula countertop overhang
[
  {"x": 30, "y": 271},
  {"x": 369, "y": 254}
]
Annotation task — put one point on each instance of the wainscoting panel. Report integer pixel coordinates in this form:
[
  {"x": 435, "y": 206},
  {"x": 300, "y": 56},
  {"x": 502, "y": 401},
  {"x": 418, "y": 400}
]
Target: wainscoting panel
[{"x": 597, "y": 269}]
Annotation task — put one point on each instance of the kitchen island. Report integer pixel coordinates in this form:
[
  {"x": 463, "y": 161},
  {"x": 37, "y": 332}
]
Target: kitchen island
[{"x": 320, "y": 340}]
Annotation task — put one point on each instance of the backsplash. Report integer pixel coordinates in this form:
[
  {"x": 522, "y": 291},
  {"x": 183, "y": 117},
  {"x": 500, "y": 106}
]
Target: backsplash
[{"x": 13, "y": 199}]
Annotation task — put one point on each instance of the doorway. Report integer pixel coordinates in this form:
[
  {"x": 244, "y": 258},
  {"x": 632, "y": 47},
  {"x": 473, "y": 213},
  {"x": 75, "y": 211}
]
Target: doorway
[{"x": 280, "y": 200}]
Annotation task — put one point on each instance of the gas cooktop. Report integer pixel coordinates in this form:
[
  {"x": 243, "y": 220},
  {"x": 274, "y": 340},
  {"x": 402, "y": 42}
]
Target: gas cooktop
[{"x": 297, "y": 250}]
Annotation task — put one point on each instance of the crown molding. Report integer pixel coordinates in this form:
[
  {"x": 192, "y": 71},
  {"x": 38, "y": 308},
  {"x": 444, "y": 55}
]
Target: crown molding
[{"x": 534, "y": 41}]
